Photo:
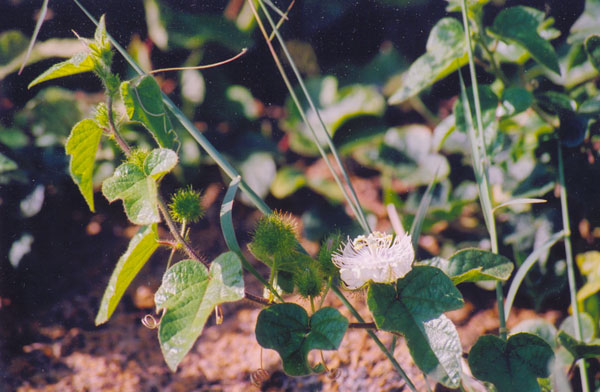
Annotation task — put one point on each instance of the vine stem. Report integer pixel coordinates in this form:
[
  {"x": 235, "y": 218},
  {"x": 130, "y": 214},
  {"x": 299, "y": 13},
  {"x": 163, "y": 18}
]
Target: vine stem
[
  {"x": 484, "y": 190},
  {"x": 570, "y": 265},
  {"x": 167, "y": 217},
  {"x": 162, "y": 206},
  {"x": 257, "y": 299},
  {"x": 113, "y": 128}
]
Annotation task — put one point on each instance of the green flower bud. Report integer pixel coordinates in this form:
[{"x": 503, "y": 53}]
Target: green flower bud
[
  {"x": 309, "y": 279},
  {"x": 137, "y": 157},
  {"x": 285, "y": 281},
  {"x": 274, "y": 238},
  {"x": 329, "y": 246},
  {"x": 186, "y": 206}
]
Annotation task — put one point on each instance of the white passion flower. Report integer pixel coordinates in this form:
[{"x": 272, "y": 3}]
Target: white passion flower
[{"x": 379, "y": 257}]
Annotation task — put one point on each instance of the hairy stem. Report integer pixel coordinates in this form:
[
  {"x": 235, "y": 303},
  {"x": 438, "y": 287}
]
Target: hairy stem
[
  {"x": 113, "y": 128},
  {"x": 257, "y": 299}
]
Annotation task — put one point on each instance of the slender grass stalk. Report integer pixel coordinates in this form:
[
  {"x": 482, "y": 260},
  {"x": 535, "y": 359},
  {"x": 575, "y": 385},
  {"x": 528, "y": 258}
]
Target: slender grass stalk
[
  {"x": 357, "y": 207},
  {"x": 570, "y": 265},
  {"x": 482, "y": 162},
  {"x": 525, "y": 267},
  {"x": 417, "y": 224},
  {"x": 36, "y": 31}
]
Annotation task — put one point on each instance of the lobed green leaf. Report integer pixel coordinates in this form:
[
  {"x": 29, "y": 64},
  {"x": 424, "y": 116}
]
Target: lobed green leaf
[
  {"x": 143, "y": 101},
  {"x": 138, "y": 187},
  {"x": 414, "y": 308},
  {"x": 189, "y": 293},
  {"x": 287, "y": 329},
  {"x": 82, "y": 145},
  {"x": 140, "y": 248}
]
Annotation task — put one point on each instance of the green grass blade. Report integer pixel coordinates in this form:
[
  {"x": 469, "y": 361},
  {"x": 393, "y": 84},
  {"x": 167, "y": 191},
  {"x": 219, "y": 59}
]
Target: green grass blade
[
  {"x": 36, "y": 31},
  {"x": 274, "y": 8},
  {"x": 230, "y": 237},
  {"x": 524, "y": 200},
  {"x": 352, "y": 198},
  {"x": 480, "y": 177},
  {"x": 525, "y": 267},
  {"x": 417, "y": 224},
  {"x": 484, "y": 195}
]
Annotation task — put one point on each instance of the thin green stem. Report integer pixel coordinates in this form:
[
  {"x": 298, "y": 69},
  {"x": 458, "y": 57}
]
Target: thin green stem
[
  {"x": 353, "y": 201},
  {"x": 170, "y": 260},
  {"x": 378, "y": 342},
  {"x": 483, "y": 165},
  {"x": 393, "y": 344},
  {"x": 570, "y": 265},
  {"x": 329, "y": 282}
]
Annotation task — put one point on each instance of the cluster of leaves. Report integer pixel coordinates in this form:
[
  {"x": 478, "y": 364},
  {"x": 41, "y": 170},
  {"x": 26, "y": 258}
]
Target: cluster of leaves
[{"x": 536, "y": 99}]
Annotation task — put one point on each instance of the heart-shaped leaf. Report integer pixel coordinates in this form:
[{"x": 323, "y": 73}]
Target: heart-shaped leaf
[
  {"x": 189, "y": 293},
  {"x": 446, "y": 52},
  {"x": 538, "y": 327},
  {"x": 287, "y": 329},
  {"x": 82, "y": 146},
  {"x": 414, "y": 308},
  {"x": 137, "y": 186},
  {"x": 519, "y": 25},
  {"x": 512, "y": 365},
  {"x": 140, "y": 248},
  {"x": 81, "y": 62},
  {"x": 143, "y": 100},
  {"x": 474, "y": 265}
]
